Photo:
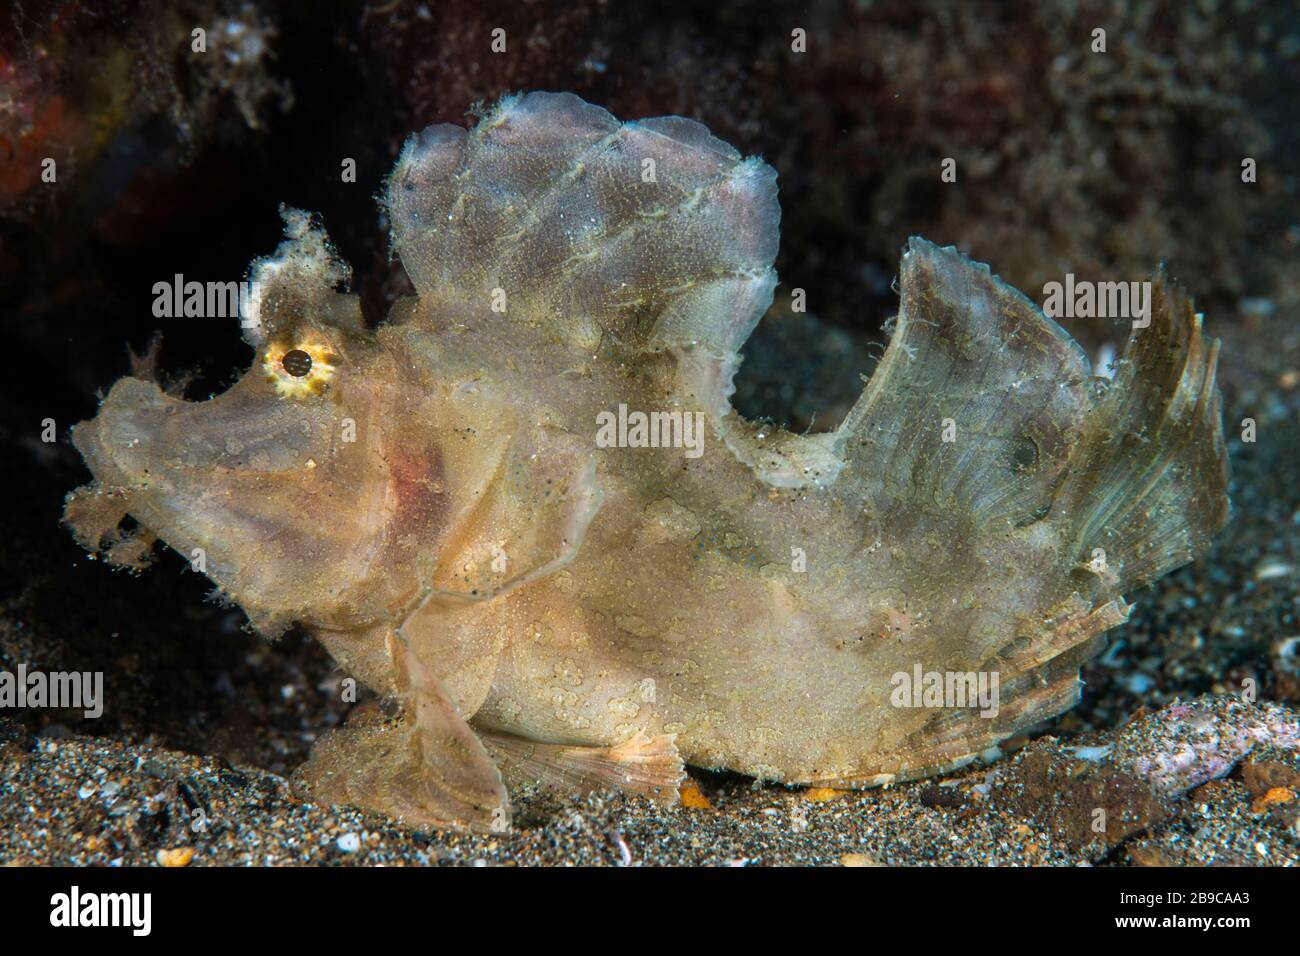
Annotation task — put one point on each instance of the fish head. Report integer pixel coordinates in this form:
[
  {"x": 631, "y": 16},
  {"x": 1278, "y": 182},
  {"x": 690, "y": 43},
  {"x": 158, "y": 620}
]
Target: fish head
[{"x": 284, "y": 488}]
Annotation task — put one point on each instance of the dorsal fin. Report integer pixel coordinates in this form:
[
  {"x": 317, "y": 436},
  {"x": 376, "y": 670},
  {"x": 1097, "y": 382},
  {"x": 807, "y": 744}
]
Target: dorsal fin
[
  {"x": 977, "y": 403},
  {"x": 649, "y": 235},
  {"x": 640, "y": 237},
  {"x": 1138, "y": 471}
]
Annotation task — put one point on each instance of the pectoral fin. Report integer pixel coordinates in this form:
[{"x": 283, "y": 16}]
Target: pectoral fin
[{"x": 429, "y": 768}]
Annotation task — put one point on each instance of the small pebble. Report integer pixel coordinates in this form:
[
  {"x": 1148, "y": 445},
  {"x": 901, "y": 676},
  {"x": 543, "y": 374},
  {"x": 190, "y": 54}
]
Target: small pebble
[
  {"x": 179, "y": 856},
  {"x": 692, "y": 797},
  {"x": 1271, "y": 568}
]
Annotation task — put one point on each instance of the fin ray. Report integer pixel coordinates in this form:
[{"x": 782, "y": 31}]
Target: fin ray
[{"x": 646, "y": 764}]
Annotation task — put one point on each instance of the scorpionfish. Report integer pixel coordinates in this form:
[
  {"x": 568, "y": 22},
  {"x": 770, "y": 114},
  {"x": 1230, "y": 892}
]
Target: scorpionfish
[{"x": 523, "y": 510}]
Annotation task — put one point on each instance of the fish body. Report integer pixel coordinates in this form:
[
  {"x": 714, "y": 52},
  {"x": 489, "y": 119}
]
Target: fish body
[{"x": 524, "y": 508}]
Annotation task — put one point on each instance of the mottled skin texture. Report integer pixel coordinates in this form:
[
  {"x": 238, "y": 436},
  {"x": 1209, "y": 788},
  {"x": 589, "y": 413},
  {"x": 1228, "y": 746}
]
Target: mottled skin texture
[{"x": 438, "y": 512}]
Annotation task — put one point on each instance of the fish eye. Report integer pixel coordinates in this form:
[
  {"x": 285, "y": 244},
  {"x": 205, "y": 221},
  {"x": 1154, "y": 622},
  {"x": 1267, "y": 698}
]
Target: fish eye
[
  {"x": 296, "y": 362},
  {"x": 299, "y": 369}
]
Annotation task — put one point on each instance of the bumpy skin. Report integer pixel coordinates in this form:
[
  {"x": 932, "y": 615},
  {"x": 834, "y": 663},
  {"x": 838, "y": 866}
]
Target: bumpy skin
[{"x": 439, "y": 513}]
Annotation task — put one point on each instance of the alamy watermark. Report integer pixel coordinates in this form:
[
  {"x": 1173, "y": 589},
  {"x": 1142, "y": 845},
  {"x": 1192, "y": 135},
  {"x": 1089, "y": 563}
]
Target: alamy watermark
[
  {"x": 626, "y": 429},
  {"x": 73, "y": 690},
  {"x": 936, "y": 689},
  {"x": 179, "y": 299},
  {"x": 133, "y": 911},
  {"x": 1098, "y": 300}
]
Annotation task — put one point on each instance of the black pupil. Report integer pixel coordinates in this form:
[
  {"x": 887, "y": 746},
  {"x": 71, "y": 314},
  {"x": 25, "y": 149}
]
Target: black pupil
[{"x": 297, "y": 363}]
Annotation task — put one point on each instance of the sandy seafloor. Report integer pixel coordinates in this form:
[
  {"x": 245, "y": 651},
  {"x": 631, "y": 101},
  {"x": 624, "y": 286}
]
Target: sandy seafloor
[
  {"x": 86, "y": 801},
  {"x": 1231, "y": 795}
]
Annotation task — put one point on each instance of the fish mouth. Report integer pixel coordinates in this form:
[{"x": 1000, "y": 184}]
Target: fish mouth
[
  {"x": 118, "y": 444},
  {"x": 192, "y": 473},
  {"x": 126, "y": 448},
  {"x": 260, "y": 494},
  {"x": 144, "y": 438}
]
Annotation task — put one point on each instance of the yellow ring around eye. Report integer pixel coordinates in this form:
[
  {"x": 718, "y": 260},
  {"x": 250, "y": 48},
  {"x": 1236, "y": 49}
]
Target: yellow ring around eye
[{"x": 290, "y": 381}]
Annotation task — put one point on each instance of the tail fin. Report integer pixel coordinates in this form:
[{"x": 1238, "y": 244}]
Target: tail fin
[{"x": 1148, "y": 481}]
